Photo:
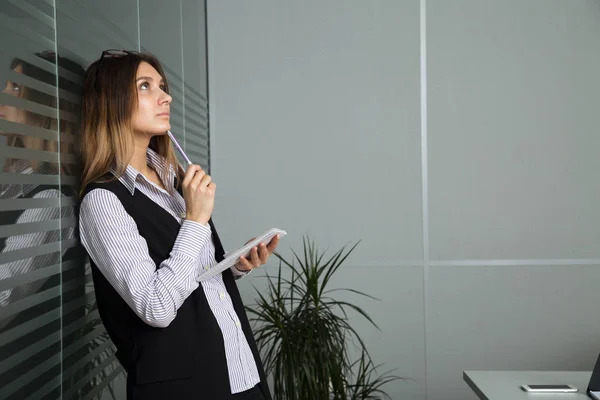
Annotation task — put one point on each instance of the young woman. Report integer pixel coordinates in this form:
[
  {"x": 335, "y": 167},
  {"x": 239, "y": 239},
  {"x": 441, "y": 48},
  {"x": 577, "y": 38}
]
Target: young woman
[{"x": 147, "y": 227}]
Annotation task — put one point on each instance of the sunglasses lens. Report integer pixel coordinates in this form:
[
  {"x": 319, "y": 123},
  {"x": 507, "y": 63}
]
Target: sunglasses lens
[{"x": 115, "y": 53}]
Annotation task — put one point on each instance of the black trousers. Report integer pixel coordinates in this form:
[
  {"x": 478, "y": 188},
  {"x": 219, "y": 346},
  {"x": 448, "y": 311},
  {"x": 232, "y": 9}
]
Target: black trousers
[
  {"x": 250, "y": 394},
  {"x": 161, "y": 391}
]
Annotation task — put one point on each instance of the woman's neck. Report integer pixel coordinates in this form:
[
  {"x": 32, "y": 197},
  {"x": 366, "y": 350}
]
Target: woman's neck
[{"x": 138, "y": 159}]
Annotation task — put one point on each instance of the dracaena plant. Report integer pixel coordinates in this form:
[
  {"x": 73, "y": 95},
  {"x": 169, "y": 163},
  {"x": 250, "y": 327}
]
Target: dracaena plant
[{"x": 304, "y": 333}]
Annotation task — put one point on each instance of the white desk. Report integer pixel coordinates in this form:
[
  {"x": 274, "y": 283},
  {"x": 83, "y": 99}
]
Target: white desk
[{"x": 506, "y": 385}]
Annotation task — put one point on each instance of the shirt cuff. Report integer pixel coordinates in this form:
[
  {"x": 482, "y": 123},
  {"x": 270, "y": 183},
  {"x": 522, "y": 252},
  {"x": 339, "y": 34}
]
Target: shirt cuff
[
  {"x": 237, "y": 274},
  {"x": 192, "y": 239}
]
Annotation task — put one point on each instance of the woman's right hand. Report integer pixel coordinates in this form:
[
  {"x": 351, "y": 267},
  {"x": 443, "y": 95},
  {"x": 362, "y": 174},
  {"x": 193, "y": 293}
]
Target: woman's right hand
[{"x": 199, "y": 194}]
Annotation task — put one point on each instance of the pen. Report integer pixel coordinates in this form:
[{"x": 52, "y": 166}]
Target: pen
[{"x": 185, "y": 157}]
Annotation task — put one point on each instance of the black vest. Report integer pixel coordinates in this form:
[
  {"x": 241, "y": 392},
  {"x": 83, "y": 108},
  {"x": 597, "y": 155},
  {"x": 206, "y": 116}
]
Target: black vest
[{"x": 185, "y": 360}]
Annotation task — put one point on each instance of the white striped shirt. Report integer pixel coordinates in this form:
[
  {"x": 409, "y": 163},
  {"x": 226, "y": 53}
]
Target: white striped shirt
[{"x": 111, "y": 237}]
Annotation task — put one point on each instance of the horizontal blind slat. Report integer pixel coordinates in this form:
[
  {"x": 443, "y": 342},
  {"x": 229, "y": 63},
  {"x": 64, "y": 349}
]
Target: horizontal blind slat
[
  {"x": 36, "y": 227},
  {"x": 29, "y": 351},
  {"x": 31, "y": 375},
  {"x": 30, "y": 301},
  {"x": 29, "y": 277},
  {"x": 23, "y": 204},
  {"x": 29, "y": 326}
]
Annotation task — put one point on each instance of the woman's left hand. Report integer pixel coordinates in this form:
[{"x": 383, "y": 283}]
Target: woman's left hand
[{"x": 258, "y": 255}]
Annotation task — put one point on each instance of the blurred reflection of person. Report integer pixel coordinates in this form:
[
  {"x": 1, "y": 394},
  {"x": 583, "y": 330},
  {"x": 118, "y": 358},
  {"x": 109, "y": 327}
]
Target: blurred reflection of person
[{"x": 37, "y": 151}]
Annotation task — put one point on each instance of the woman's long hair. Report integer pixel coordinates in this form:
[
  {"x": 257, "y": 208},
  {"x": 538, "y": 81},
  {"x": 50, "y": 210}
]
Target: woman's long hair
[{"x": 108, "y": 105}]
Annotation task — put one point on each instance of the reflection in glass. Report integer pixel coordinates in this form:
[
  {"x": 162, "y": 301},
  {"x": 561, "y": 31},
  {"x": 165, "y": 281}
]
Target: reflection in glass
[
  {"x": 36, "y": 219},
  {"x": 46, "y": 139}
]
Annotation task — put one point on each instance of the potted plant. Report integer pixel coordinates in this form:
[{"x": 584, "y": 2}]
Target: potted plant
[{"x": 304, "y": 333}]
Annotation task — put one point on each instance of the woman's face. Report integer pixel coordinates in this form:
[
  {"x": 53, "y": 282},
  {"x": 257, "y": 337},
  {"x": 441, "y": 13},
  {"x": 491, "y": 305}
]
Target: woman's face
[
  {"x": 11, "y": 113},
  {"x": 153, "y": 113}
]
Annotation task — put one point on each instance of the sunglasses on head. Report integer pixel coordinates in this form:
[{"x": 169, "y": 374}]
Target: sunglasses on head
[{"x": 113, "y": 53}]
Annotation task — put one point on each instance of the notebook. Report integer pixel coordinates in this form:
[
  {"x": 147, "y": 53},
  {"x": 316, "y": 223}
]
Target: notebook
[{"x": 232, "y": 257}]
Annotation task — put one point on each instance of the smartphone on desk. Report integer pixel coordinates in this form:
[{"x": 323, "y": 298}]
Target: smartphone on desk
[{"x": 549, "y": 388}]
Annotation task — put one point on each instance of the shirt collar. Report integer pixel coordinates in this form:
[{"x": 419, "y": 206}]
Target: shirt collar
[{"x": 154, "y": 160}]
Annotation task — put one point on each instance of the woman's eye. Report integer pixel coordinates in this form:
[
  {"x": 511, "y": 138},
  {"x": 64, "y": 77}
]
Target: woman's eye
[
  {"x": 15, "y": 87},
  {"x": 163, "y": 88},
  {"x": 144, "y": 86}
]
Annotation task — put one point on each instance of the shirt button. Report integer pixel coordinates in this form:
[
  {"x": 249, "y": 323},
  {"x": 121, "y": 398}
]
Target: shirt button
[
  {"x": 182, "y": 215},
  {"x": 221, "y": 295},
  {"x": 237, "y": 323}
]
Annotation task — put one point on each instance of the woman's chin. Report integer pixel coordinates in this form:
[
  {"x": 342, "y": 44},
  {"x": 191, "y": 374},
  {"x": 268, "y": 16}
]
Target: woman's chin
[
  {"x": 164, "y": 128},
  {"x": 161, "y": 131}
]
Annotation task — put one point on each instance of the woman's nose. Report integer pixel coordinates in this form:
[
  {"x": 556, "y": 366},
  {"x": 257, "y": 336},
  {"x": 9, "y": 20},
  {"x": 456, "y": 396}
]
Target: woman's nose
[{"x": 165, "y": 99}]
